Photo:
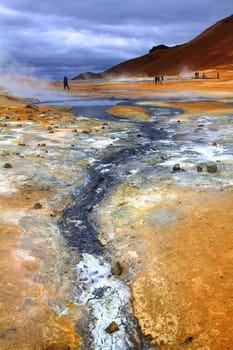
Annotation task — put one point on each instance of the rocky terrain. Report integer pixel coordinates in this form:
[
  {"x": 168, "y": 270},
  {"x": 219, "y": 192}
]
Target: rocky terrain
[{"x": 116, "y": 217}]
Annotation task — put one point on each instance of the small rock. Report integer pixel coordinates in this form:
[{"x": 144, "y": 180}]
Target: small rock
[
  {"x": 116, "y": 268},
  {"x": 211, "y": 167},
  {"x": 176, "y": 167},
  {"x": 188, "y": 340},
  {"x": 37, "y": 206},
  {"x": 163, "y": 157},
  {"x": 128, "y": 172},
  {"x": 7, "y": 165},
  {"x": 199, "y": 168},
  {"x": 113, "y": 327}
]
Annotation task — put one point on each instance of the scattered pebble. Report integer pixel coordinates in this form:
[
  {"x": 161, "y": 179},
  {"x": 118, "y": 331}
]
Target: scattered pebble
[
  {"x": 7, "y": 165},
  {"x": 113, "y": 327},
  {"x": 116, "y": 268},
  {"x": 176, "y": 167},
  {"x": 211, "y": 167},
  {"x": 37, "y": 206}
]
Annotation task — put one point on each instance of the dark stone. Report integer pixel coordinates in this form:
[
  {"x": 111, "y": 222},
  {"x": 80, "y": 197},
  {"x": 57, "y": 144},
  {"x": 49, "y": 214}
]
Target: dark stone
[
  {"x": 116, "y": 268},
  {"x": 188, "y": 340},
  {"x": 7, "y": 166},
  {"x": 113, "y": 327},
  {"x": 211, "y": 167},
  {"x": 199, "y": 168},
  {"x": 176, "y": 167},
  {"x": 37, "y": 206}
]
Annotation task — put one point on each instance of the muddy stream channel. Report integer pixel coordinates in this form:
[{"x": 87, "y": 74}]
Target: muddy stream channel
[{"x": 101, "y": 168}]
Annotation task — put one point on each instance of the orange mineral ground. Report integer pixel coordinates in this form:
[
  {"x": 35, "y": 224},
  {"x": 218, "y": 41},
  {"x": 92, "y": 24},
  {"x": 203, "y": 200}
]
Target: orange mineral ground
[{"x": 175, "y": 241}]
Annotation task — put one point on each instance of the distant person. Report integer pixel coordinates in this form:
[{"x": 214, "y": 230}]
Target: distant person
[
  {"x": 217, "y": 75},
  {"x": 156, "y": 80},
  {"x": 161, "y": 80},
  {"x": 66, "y": 84}
]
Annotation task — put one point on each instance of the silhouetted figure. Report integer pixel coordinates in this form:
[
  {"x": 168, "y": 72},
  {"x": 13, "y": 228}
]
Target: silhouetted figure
[
  {"x": 217, "y": 75},
  {"x": 161, "y": 80},
  {"x": 66, "y": 84},
  {"x": 156, "y": 80}
]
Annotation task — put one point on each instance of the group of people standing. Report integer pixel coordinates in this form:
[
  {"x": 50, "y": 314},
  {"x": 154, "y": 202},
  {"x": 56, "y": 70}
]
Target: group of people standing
[{"x": 158, "y": 80}]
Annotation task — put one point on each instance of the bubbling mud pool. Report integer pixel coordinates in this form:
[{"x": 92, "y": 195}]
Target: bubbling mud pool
[{"x": 108, "y": 173}]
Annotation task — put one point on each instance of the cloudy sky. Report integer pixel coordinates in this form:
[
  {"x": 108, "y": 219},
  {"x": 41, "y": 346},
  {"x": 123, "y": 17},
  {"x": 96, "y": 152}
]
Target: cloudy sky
[{"x": 54, "y": 38}]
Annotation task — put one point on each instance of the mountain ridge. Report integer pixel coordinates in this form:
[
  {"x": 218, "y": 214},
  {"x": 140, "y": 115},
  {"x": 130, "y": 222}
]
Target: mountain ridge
[{"x": 211, "y": 49}]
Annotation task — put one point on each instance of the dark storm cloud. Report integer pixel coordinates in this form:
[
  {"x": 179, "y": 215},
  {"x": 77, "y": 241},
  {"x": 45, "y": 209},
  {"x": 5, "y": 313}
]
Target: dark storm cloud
[{"x": 68, "y": 37}]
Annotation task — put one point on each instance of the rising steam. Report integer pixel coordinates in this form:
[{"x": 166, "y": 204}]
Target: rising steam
[{"x": 21, "y": 81}]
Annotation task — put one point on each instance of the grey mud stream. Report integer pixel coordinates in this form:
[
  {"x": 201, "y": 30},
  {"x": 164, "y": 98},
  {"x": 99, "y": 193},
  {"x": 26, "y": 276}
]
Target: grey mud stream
[{"x": 107, "y": 297}]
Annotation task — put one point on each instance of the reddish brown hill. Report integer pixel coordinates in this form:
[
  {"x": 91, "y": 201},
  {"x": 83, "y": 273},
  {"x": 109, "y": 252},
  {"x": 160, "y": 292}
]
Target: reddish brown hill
[{"x": 213, "y": 48}]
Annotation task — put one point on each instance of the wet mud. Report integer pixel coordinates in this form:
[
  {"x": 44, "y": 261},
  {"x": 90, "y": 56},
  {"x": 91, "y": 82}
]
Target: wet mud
[{"x": 76, "y": 223}]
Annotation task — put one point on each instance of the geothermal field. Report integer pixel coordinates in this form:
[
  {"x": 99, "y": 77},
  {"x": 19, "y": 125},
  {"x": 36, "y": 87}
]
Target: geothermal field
[{"x": 116, "y": 215}]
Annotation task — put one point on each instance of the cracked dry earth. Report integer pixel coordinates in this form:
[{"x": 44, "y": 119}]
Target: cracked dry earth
[{"x": 171, "y": 230}]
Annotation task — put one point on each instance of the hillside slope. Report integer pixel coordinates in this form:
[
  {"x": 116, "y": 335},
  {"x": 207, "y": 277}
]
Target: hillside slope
[{"x": 212, "y": 49}]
